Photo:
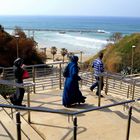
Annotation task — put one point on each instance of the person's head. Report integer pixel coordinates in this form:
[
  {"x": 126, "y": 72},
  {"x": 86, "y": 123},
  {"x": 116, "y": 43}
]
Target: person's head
[
  {"x": 18, "y": 62},
  {"x": 74, "y": 58},
  {"x": 101, "y": 55}
]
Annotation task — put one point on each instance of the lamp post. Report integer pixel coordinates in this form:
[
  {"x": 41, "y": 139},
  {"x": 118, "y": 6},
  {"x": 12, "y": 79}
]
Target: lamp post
[
  {"x": 17, "y": 39},
  {"x": 132, "y": 58}
]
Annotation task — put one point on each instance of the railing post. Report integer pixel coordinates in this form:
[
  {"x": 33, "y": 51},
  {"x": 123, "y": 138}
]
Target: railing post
[
  {"x": 52, "y": 82},
  {"x": 33, "y": 73},
  {"x": 128, "y": 91},
  {"x": 3, "y": 73},
  {"x": 28, "y": 103},
  {"x": 18, "y": 123},
  {"x": 121, "y": 84},
  {"x": 129, "y": 123},
  {"x": 106, "y": 88},
  {"x": 99, "y": 97},
  {"x": 133, "y": 91},
  {"x": 75, "y": 128},
  {"x": 60, "y": 70},
  {"x": 92, "y": 78},
  {"x": 113, "y": 84}
]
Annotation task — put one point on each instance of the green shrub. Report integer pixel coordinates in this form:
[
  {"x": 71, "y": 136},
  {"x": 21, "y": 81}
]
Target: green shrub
[{"x": 6, "y": 90}]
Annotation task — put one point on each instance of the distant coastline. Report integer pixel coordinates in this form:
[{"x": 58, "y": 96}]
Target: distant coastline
[{"x": 87, "y": 34}]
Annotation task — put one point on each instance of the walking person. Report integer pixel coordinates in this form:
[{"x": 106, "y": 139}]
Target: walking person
[
  {"x": 17, "y": 97},
  {"x": 72, "y": 93},
  {"x": 98, "y": 69}
]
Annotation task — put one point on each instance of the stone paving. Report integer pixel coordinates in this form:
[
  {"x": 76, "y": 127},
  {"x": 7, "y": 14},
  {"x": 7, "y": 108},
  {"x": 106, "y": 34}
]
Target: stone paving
[{"x": 106, "y": 124}]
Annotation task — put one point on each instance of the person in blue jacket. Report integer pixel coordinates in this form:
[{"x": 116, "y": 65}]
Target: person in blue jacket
[
  {"x": 72, "y": 93},
  {"x": 98, "y": 69}
]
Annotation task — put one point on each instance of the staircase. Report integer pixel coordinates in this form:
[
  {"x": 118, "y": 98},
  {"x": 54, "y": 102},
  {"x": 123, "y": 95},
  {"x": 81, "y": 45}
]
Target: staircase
[
  {"x": 8, "y": 125},
  {"x": 106, "y": 124}
]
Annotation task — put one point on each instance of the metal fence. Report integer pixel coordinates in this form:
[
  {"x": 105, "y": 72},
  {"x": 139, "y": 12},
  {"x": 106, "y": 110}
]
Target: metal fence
[
  {"x": 75, "y": 122},
  {"x": 49, "y": 76}
]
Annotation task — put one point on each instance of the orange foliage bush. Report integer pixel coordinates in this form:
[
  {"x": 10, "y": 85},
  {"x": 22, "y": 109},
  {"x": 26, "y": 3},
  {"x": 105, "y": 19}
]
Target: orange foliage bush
[{"x": 26, "y": 49}]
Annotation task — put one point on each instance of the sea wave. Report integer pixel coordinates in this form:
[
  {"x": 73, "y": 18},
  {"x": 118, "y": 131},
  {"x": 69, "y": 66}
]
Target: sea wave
[
  {"x": 80, "y": 40},
  {"x": 72, "y": 42}
]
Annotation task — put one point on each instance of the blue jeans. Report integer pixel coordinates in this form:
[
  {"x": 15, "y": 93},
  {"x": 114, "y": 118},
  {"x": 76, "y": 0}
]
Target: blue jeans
[{"x": 96, "y": 84}]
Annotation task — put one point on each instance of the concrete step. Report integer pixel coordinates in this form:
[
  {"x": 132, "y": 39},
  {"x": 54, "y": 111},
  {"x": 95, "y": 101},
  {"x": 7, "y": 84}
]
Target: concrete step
[
  {"x": 27, "y": 130},
  {"x": 8, "y": 130},
  {"x": 106, "y": 124}
]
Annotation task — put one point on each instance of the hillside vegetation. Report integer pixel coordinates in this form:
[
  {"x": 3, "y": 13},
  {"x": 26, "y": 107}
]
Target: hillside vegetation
[
  {"x": 118, "y": 56},
  {"x": 26, "y": 48}
]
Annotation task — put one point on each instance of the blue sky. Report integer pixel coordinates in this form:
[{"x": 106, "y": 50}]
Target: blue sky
[{"x": 129, "y": 8}]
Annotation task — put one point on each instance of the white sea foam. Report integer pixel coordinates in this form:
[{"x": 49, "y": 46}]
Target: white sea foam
[
  {"x": 72, "y": 42},
  {"x": 90, "y": 44}
]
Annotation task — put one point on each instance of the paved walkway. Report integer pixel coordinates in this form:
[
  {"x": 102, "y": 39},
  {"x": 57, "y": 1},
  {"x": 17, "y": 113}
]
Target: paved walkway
[{"x": 107, "y": 124}]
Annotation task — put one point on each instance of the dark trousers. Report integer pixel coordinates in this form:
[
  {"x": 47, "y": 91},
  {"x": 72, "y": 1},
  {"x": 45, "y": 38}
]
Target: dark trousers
[
  {"x": 96, "y": 84},
  {"x": 17, "y": 97}
]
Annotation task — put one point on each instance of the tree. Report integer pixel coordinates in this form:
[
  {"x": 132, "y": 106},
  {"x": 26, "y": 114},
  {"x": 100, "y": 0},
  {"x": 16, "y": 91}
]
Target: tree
[
  {"x": 53, "y": 51},
  {"x": 63, "y": 52},
  {"x": 115, "y": 37},
  {"x": 26, "y": 49}
]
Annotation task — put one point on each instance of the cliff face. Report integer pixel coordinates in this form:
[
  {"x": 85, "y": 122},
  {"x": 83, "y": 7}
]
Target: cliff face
[
  {"x": 118, "y": 57},
  {"x": 25, "y": 47}
]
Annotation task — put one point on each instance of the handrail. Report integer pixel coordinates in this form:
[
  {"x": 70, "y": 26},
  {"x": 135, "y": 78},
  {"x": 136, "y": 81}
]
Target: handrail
[
  {"x": 133, "y": 81},
  {"x": 106, "y": 106},
  {"x": 122, "y": 77},
  {"x": 11, "y": 83},
  {"x": 40, "y": 109},
  {"x": 75, "y": 113},
  {"x": 48, "y": 110},
  {"x": 47, "y": 63},
  {"x": 36, "y": 109}
]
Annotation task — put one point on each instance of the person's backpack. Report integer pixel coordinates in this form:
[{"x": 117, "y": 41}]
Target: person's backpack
[{"x": 66, "y": 71}]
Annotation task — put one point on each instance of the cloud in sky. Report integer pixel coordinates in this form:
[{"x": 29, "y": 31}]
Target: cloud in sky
[{"x": 71, "y": 7}]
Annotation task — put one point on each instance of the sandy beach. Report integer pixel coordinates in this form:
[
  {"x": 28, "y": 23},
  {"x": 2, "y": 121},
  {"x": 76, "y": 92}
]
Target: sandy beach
[{"x": 58, "y": 56}]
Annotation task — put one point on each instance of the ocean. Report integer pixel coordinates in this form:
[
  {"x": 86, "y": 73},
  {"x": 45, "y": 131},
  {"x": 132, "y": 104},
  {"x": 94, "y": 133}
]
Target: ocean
[{"x": 87, "y": 34}]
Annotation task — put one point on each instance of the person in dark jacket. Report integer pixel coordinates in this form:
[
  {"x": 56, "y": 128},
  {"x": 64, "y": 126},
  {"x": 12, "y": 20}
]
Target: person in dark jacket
[
  {"x": 72, "y": 93},
  {"x": 17, "y": 97}
]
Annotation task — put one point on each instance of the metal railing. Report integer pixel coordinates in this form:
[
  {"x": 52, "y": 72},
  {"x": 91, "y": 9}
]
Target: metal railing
[
  {"x": 75, "y": 114},
  {"x": 46, "y": 76},
  {"x": 128, "y": 86},
  {"x": 111, "y": 81}
]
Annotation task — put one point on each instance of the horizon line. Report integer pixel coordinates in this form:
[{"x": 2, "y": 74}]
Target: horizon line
[{"x": 73, "y": 16}]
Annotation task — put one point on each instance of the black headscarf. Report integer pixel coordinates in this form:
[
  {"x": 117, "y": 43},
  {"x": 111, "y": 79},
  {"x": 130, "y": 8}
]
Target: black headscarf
[{"x": 18, "y": 62}]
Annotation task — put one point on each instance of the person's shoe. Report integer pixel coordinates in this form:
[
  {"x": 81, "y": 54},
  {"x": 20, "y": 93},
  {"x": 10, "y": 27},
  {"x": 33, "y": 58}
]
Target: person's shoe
[
  {"x": 67, "y": 106},
  {"x": 84, "y": 97},
  {"x": 82, "y": 101},
  {"x": 91, "y": 89}
]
